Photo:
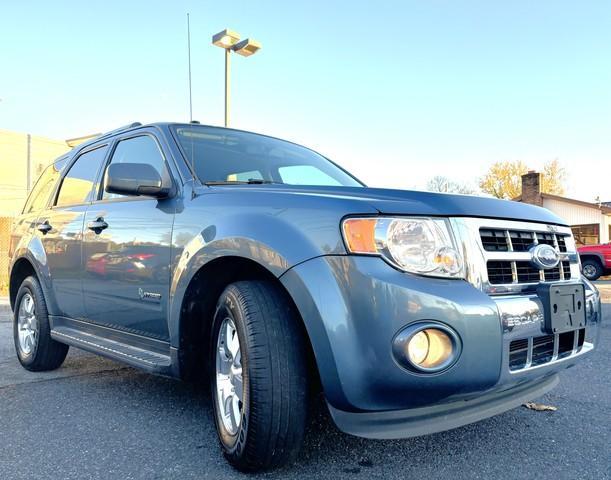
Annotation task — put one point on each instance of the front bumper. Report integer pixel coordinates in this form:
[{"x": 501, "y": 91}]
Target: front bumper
[
  {"x": 354, "y": 306},
  {"x": 414, "y": 422}
]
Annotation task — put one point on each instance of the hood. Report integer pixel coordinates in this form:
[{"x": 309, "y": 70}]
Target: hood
[{"x": 411, "y": 202}]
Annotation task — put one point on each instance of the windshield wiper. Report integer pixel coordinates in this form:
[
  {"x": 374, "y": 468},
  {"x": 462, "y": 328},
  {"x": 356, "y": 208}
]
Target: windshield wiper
[{"x": 250, "y": 181}]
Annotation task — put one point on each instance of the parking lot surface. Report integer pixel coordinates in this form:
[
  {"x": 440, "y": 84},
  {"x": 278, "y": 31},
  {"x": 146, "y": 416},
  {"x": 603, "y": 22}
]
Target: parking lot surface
[{"x": 95, "y": 418}]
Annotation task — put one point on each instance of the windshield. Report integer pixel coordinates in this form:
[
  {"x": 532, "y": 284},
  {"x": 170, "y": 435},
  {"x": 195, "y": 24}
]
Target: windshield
[{"x": 221, "y": 156}]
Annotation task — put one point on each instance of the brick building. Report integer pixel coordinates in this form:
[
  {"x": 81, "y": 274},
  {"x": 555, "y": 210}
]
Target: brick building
[{"x": 590, "y": 222}]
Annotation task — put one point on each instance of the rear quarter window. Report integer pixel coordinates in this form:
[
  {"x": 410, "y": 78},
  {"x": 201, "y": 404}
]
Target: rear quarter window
[{"x": 39, "y": 197}]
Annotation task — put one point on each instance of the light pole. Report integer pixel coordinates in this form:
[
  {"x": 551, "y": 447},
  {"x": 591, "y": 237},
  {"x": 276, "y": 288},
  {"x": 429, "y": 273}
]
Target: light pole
[{"x": 230, "y": 40}]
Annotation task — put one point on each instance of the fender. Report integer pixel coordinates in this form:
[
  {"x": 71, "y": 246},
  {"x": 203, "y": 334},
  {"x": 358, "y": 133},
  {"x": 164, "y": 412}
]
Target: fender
[
  {"x": 594, "y": 254},
  {"x": 30, "y": 248},
  {"x": 270, "y": 241}
]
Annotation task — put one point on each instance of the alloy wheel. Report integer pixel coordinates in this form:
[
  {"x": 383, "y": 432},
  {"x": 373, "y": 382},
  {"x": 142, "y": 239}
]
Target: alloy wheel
[
  {"x": 27, "y": 324},
  {"x": 229, "y": 382}
]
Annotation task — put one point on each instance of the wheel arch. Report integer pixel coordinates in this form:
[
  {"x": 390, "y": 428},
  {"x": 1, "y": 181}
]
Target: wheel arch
[
  {"x": 21, "y": 269},
  {"x": 593, "y": 256},
  {"x": 30, "y": 257},
  {"x": 199, "y": 302}
]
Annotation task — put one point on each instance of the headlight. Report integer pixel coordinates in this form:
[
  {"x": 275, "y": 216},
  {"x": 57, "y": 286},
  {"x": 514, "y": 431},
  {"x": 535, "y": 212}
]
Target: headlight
[{"x": 418, "y": 245}]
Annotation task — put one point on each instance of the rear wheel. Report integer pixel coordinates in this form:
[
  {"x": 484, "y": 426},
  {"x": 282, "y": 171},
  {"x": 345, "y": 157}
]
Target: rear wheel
[
  {"x": 36, "y": 350},
  {"x": 592, "y": 269},
  {"x": 259, "y": 377}
]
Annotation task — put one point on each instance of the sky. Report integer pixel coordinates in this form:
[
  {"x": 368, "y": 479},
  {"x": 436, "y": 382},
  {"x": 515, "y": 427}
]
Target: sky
[{"x": 394, "y": 91}]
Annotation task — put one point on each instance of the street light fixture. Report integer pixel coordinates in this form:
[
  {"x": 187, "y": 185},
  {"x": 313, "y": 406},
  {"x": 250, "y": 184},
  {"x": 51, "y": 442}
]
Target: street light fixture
[
  {"x": 226, "y": 39},
  {"x": 230, "y": 40},
  {"x": 247, "y": 47}
]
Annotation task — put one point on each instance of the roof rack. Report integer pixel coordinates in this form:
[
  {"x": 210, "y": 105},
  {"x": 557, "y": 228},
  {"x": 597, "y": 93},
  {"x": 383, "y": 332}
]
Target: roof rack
[{"x": 120, "y": 129}]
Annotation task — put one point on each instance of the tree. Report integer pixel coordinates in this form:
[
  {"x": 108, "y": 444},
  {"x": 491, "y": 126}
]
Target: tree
[
  {"x": 445, "y": 185},
  {"x": 553, "y": 178},
  {"x": 504, "y": 179}
]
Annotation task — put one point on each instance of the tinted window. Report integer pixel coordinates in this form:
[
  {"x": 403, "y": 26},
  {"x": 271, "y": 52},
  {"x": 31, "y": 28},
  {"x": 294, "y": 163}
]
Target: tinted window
[
  {"x": 77, "y": 184},
  {"x": 220, "y": 155},
  {"x": 43, "y": 188},
  {"x": 142, "y": 149}
]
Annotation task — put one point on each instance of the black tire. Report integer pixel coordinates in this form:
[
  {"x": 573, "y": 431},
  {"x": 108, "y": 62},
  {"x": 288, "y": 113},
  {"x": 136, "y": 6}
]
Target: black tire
[
  {"x": 592, "y": 269},
  {"x": 274, "y": 376},
  {"x": 46, "y": 354}
]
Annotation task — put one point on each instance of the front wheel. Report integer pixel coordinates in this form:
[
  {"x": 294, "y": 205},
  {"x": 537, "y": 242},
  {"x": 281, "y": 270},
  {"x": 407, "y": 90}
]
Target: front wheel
[
  {"x": 259, "y": 376},
  {"x": 592, "y": 269}
]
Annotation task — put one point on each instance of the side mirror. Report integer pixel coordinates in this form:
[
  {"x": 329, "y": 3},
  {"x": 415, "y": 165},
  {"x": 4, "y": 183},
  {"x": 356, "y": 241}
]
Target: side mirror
[{"x": 135, "y": 179}]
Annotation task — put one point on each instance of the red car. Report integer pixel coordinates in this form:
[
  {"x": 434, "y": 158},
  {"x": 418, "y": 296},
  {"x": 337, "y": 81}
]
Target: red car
[{"x": 595, "y": 260}]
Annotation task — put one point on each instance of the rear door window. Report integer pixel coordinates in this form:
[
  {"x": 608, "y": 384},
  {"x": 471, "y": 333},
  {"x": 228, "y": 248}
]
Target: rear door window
[{"x": 77, "y": 185}]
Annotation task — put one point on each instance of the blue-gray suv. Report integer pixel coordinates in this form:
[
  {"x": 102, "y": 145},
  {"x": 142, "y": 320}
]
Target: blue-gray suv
[{"x": 209, "y": 253}]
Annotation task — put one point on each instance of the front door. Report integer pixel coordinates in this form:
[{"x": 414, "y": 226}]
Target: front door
[
  {"x": 127, "y": 248},
  {"x": 60, "y": 229}
]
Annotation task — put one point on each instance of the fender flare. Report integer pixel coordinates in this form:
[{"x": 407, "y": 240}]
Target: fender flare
[{"x": 34, "y": 253}]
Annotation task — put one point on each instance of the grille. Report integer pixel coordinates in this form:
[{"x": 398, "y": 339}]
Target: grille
[
  {"x": 530, "y": 352},
  {"x": 501, "y": 271},
  {"x": 527, "y": 273},
  {"x": 546, "y": 238},
  {"x": 496, "y": 240},
  {"x": 504, "y": 269},
  {"x": 566, "y": 268},
  {"x": 521, "y": 241},
  {"x": 543, "y": 349}
]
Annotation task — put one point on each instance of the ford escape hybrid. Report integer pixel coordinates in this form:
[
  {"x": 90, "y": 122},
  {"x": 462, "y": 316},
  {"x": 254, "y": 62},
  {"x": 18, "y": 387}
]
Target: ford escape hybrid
[{"x": 187, "y": 250}]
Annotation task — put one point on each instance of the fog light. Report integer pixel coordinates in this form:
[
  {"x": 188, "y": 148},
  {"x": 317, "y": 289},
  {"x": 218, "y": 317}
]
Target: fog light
[
  {"x": 426, "y": 347},
  {"x": 429, "y": 348}
]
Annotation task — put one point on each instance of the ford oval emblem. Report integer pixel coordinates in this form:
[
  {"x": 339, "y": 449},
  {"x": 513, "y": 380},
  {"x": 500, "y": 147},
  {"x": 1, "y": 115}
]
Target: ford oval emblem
[{"x": 544, "y": 256}]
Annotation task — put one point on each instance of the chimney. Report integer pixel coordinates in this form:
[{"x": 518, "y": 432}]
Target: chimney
[{"x": 531, "y": 188}]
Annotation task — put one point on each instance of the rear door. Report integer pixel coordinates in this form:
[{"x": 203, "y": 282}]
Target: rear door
[
  {"x": 61, "y": 226},
  {"x": 126, "y": 279}
]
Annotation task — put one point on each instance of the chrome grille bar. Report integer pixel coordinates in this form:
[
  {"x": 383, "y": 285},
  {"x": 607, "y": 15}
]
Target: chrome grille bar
[
  {"x": 538, "y": 353},
  {"x": 506, "y": 243}
]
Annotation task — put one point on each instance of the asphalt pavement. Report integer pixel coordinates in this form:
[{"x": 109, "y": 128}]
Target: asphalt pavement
[{"x": 94, "y": 418}]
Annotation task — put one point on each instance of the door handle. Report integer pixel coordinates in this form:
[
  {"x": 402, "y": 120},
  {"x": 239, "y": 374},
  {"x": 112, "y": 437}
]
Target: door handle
[
  {"x": 97, "y": 225},
  {"x": 44, "y": 227}
]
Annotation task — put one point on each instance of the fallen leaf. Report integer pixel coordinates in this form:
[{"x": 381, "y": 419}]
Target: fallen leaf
[{"x": 540, "y": 407}]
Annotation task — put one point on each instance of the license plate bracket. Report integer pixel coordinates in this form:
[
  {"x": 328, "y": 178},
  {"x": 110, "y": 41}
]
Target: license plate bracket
[{"x": 564, "y": 306}]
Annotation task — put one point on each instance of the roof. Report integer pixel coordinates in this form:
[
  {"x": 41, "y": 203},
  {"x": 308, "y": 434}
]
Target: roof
[{"x": 603, "y": 207}]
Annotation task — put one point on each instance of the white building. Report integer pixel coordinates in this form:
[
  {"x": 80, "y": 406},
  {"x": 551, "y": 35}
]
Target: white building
[{"x": 590, "y": 222}]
